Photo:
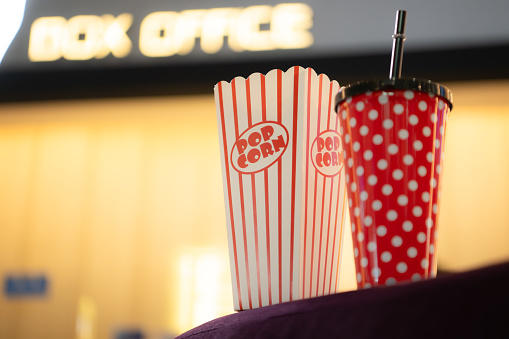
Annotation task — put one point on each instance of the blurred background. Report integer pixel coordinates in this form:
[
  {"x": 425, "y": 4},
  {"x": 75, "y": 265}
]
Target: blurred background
[{"x": 112, "y": 219}]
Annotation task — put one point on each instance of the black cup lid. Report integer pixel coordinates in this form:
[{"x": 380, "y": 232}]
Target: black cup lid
[{"x": 413, "y": 84}]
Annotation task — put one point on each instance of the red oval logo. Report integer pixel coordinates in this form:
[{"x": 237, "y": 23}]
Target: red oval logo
[
  {"x": 327, "y": 153},
  {"x": 259, "y": 147}
]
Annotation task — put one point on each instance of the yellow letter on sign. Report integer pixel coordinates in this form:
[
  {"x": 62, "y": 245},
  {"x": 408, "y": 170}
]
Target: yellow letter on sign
[
  {"x": 46, "y": 39},
  {"x": 115, "y": 39},
  {"x": 83, "y": 37},
  {"x": 248, "y": 33},
  {"x": 157, "y": 34},
  {"x": 290, "y": 26}
]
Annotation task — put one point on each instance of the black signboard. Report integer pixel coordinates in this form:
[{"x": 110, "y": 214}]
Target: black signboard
[
  {"x": 57, "y": 34},
  {"x": 198, "y": 38}
]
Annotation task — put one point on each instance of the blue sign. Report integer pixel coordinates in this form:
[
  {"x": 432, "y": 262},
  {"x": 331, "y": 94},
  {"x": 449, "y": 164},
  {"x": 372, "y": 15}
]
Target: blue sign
[
  {"x": 25, "y": 285},
  {"x": 130, "y": 334}
]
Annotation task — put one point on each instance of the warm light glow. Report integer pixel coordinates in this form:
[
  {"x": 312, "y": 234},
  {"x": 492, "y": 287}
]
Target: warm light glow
[
  {"x": 121, "y": 201},
  {"x": 202, "y": 296},
  {"x": 119, "y": 190},
  {"x": 474, "y": 214},
  {"x": 347, "y": 277},
  {"x": 85, "y": 319}
]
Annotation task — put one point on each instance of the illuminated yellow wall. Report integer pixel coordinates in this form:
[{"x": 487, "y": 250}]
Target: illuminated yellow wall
[
  {"x": 119, "y": 202},
  {"x": 107, "y": 198},
  {"x": 474, "y": 221}
]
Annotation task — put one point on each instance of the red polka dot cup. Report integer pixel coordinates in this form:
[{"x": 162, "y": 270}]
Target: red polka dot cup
[{"x": 394, "y": 132}]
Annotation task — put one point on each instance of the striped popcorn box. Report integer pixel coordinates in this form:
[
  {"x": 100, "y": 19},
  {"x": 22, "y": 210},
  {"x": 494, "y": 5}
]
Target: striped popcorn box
[{"x": 284, "y": 185}]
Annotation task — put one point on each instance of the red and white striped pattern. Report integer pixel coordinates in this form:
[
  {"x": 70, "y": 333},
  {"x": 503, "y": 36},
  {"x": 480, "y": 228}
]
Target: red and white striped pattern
[{"x": 285, "y": 221}]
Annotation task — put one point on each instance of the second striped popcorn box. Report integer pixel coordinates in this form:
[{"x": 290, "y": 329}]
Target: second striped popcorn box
[{"x": 284, "y": 185}]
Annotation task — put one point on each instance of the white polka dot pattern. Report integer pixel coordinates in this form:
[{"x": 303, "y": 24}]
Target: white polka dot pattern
[{"x": 395, "y": 148}]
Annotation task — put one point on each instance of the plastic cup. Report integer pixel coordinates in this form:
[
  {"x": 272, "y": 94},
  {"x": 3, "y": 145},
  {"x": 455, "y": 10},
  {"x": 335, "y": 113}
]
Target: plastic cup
[
  {"x": 394, "y": 153},
  {"x": 284, "y": 185}
]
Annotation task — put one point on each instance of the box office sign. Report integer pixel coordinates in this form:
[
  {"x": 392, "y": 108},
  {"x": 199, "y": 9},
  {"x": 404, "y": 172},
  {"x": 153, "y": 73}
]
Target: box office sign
[
  {"x": 49, "y": 34},
  {"x": 168, "y": 33}
]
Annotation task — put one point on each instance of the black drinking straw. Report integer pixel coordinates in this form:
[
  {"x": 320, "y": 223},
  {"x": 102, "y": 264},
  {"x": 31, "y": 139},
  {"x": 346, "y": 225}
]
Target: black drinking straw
[
  {"x": 397, "y": 45},
  {"x": 394, "y": 82}
]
